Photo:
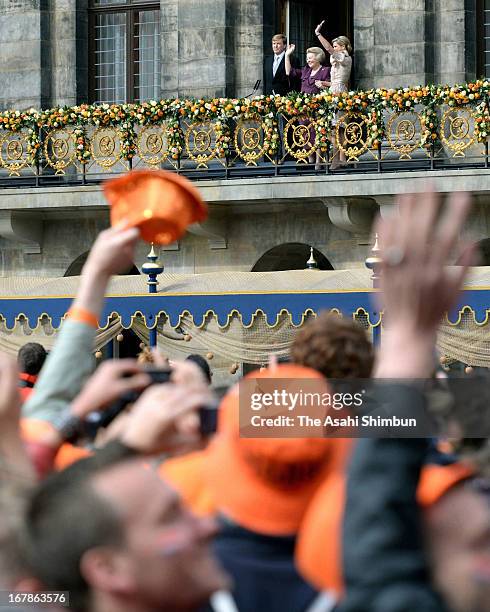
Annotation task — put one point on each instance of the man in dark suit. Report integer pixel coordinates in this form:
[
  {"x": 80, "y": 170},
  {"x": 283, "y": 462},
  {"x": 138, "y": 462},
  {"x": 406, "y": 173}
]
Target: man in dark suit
[{"x": 276, "y": 81}]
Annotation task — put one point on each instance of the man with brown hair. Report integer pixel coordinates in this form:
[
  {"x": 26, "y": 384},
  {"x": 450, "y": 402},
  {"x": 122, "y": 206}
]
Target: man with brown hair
[{"x": 276, "y": 81}]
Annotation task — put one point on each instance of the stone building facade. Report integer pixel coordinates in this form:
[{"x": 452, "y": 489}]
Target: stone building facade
[{"x": 217, "y": 48}]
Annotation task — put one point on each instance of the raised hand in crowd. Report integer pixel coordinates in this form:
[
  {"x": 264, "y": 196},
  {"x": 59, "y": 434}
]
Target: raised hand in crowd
[
  {"x": 70, "y": 363},
  {"x": 111, "y": 380},
  {"x": 165, "y": 419},
  {"x": 386, "y": 566},
  {"x": 112, "y": 253},
  {"x": 417, "y": 285}
]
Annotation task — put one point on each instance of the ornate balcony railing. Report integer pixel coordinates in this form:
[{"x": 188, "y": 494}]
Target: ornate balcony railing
[{"x": 380, "y": 130}]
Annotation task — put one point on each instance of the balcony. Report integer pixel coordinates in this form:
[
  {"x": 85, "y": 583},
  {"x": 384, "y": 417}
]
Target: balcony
[
  {"x": 249, "y": 156},
  {"x": 378, "y": 131}
]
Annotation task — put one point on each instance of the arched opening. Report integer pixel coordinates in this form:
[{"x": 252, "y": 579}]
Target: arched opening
[
  {"x": 290, "y": 256},
  {"x": 75, "y": 268},
  {"x": 483, "y": 247}
]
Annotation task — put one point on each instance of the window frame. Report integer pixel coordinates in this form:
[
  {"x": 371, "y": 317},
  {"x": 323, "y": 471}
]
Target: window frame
[
  {"x": 130, "y": 7},
  {"x": 480, "y": 40}
]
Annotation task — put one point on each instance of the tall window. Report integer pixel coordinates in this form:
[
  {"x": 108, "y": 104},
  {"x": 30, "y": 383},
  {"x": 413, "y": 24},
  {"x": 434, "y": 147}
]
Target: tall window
[
  {"x": 125, "y": 51},
  {"x": 486, "y": 39}
]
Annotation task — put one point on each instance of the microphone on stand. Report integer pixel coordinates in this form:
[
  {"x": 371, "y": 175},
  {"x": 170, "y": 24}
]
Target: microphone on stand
[{"x": 256, "y": 86}]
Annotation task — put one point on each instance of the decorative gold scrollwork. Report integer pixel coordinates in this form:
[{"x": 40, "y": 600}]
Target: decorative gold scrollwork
[
  {"x": 299, "y": 137},
  {"x": 355, "y": 140},
  {"x": 13, "y": 152},
  {"x": 105, "y": 145},
  {"x": 456, "y": 130},
  {"x": 404, "y": 133},
  {"x": 249, "y": 139},
  {"x": 153, "y": 144},
  {"x": 60, "y": 149},
  {"x": 200, "y": 142}
]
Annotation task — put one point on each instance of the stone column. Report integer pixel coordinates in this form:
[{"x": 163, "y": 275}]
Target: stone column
[
  {"x": 69, "y": 51},
  {"x": 392, "y": 45},
  {"x": 194, "y": 61},
  {"x": 455, "y": 46},
  {"x": 411, "y": 42},
  {"x": 211, "y": 47},
  {"x": 364, "y": 69},
  {"x": 25, "y": 36},
  {"x": 169, "y": 32},
  {"x": 245, "y": 50}
]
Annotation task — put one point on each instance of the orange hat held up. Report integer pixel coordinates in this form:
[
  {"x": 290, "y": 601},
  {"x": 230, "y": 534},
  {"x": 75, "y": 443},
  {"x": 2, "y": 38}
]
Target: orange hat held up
[{"x": 161, "y": 204}]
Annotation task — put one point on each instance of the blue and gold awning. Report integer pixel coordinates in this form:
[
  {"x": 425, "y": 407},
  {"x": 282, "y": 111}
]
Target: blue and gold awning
[{"x": 222, "y": 294}]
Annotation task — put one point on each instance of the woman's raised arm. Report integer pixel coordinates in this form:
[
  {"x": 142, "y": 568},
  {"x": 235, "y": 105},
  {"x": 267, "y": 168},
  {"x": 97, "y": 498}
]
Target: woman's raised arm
[{"x": 323, "y": 41}]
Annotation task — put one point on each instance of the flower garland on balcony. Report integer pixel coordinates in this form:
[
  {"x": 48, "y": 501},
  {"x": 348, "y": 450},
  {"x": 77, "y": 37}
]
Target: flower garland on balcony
[
  {"x": 263, "y": 109},
  {"x": 361, "y": 103},
  {"x": 16, "y": 121},
  {"x": 323, "y": 109}
]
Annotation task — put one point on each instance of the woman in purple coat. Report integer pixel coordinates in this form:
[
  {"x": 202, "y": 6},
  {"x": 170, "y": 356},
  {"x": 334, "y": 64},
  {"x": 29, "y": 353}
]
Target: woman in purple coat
[{"x": 313, "y": 77}]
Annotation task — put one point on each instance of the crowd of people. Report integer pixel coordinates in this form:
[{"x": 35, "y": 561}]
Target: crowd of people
[{"x": 114, "y": 494}]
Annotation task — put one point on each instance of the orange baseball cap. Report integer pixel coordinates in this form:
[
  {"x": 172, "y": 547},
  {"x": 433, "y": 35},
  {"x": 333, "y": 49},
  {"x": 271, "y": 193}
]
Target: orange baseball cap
[
  {"x": 161, "y": 204},
  {"x": 265, "y": 484}
]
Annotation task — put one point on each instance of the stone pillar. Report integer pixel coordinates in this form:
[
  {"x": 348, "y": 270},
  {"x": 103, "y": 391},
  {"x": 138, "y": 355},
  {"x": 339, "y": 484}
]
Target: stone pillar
[
  {"x": 69, "y": 52},
  {"x": 245, "y": 46},
  {"x": 455, "y": 48},
  {"x": 194, "y": 59},
  {"x": 169, "y": 44},
  {"x": 211, "y": 47},
  {"x": 25, "y": 38},
  {"x": 402, "y": 48},
  {"x": 393, "y": 47},
  {"x": 364, "y": 69},
  {"x": 401, "y": 43}
]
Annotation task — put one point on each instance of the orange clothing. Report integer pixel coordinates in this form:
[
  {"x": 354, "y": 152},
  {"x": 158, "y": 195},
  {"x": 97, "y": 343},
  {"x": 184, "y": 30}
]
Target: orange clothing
[
  {"x": 25, "y": 392},
  {"x": 319, "y": 544},
  {"x": 263, "y": 484},
  {"x": 68, "y": 454},
  {"x": 35, "y": 433},
  {"x": 186, "y": 475}
]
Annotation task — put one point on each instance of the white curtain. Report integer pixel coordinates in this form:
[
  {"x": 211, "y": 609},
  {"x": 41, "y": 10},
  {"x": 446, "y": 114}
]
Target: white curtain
[
  {"x": 147, "y": 68},
  {"x": 110, "y": 57}
]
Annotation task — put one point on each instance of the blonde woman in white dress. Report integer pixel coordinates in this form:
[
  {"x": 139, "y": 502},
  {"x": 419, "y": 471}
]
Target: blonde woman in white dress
[{"x": 340, "y": 58}]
